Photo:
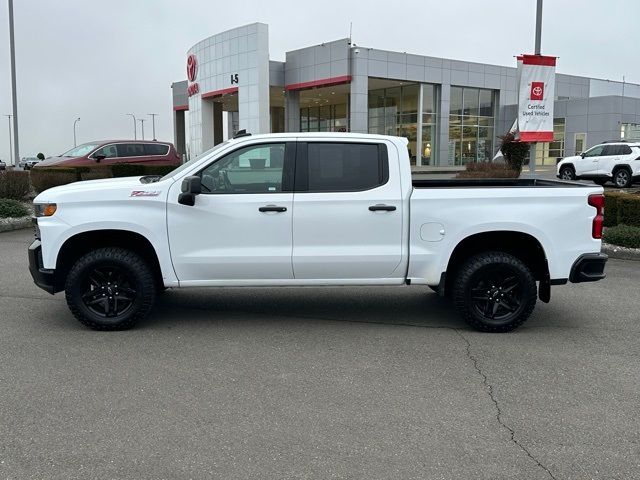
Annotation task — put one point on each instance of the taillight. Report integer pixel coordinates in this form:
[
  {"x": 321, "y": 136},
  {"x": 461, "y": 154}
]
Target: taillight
[{"x": 597, "y": 200}]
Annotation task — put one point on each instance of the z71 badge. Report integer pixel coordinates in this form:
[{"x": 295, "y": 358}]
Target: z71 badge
[{"x": 145, "y": 193}]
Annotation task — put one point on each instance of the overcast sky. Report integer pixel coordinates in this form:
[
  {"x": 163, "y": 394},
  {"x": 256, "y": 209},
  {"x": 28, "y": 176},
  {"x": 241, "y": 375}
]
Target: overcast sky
[{"x": 98, "y": 59}]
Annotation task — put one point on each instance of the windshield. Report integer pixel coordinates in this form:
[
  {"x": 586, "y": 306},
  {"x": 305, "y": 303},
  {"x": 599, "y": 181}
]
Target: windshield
[
  {"x": 184, "y": 166},
  {"x": 81, "y": 150}
]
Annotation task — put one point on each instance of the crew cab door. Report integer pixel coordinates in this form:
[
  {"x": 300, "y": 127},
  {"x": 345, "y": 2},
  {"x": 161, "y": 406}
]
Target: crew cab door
[
  {"x": 607, "y": 158},
  {"x": 240, "y": 226},
  {"x": 588, "y": 164},
  {"x": 612, "y": 155},
  {"x": 347, "y": 211}
]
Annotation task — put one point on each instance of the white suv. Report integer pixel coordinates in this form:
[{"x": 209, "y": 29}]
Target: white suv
[{"x": 615, "y": 161}]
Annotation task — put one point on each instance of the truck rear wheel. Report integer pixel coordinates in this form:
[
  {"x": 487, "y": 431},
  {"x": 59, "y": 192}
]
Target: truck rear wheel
[
  {"x": 495, "y": 292},
  {"x": 110, "y": 289}
]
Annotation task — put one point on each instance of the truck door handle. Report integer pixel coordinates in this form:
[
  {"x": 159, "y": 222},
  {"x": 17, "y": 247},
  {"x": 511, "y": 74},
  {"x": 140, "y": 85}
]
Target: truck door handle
[
  {"x": 272, "y": 208},
  {"x": 381, "y": 207}
]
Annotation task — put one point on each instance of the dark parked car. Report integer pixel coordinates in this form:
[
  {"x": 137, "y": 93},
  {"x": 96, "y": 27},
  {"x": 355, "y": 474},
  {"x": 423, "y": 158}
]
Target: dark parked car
[
  {"x": 3, "y": 166},
  {"x": 116, "y": 151}
]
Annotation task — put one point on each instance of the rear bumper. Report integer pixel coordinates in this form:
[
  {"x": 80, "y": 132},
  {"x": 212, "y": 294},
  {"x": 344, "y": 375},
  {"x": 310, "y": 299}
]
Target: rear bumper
[
  {"x": 588, "y": 268},
  {"x": 45, "y": 278}
]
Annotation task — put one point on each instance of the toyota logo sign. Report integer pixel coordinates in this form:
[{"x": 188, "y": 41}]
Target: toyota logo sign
[
  {"x": 537, "y": 91},
  {"x": 192, "y": 67}
]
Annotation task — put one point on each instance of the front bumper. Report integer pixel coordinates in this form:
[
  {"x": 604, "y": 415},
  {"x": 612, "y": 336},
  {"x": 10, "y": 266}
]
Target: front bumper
[
  {"x": 588, "y": 268},
  {"x": 45, "y": 278}
]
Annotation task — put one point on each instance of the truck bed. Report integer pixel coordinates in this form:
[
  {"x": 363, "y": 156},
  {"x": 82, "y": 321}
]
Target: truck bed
[{"x": 495, "y": 183}]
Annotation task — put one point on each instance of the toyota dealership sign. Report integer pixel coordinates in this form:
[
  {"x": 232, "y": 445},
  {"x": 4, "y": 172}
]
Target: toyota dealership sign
[
  {"x": 192, "y": 73},
  {"x": 536, "y": 93}
]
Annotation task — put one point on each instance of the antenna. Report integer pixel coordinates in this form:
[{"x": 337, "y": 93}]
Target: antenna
[{"x": 350, "y": 31}]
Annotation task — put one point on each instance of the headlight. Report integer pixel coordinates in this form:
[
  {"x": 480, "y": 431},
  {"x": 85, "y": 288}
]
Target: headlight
[{"x": 45, "y": 209}]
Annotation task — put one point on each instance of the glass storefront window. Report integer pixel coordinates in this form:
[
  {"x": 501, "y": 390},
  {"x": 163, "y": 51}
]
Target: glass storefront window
[
  {"x": 325, "y": 118},
  {"x": 409, "y": 97},
  {"x": 428, "y": 147},
  {"x": 486, "y": 103},
  {"x": 471, "y": 122},
  {"x": 400, "y": 117},
  {"x": 428, "y": 99},
  {"x": 470, "y": 102},
  {"x": 630, "y": 131},
  {"x": 455, "y": 105}
]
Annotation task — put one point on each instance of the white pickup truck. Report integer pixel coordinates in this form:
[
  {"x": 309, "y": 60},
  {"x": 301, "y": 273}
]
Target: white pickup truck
[{"x": 314, "y": 209}]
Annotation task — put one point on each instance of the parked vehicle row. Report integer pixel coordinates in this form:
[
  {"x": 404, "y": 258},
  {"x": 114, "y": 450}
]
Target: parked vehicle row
[
  {"x": 618, "y": 162},
  {"x": 305, "y": 209}
]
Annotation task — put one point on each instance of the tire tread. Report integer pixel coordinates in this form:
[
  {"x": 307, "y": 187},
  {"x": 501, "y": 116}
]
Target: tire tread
[
  {"x": 464, "y": 276},
  {"x": 136, "y": 263}
]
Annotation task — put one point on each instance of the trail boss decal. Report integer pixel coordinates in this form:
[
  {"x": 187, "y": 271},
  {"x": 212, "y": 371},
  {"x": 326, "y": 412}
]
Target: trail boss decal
[{"x": 145, "y": 193}]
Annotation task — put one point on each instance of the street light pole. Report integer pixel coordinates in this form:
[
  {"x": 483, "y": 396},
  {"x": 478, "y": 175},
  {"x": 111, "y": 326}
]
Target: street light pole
[
  {"x": 10, "y": 143},
  {"x": 12, "y": 49},
  {"x": 153, "y": 124},
  {"x": 74, "y": 130},
  {"x": 538, "y": 27},
  {"x": 537, "y": 49},
  {"x": 141, "y": 120},
  {"x": 135, "y": 130}
]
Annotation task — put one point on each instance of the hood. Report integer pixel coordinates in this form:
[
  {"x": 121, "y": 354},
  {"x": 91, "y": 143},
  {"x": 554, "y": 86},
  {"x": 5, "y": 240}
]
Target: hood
[
  {"x": 570, "y": 159},
  {"x": 56, "y": 161},
  {"x": 74, "y": 190}
]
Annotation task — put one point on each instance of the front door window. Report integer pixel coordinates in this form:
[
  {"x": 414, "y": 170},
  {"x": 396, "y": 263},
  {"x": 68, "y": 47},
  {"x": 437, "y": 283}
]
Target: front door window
[
  {"x": 254, "y": 169},
  {"x": 594, "y": 152},
  {"x": 108, "y": 151}
]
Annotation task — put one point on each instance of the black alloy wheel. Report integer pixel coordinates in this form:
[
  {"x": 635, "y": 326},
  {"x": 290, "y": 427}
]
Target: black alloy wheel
[
  {"x": 108, "y": 291},
  {"x": 110, "y": 288},
  {"x": 495, "y": 292}
]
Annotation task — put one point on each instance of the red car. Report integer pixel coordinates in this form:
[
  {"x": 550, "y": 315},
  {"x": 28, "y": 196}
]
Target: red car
[{"x": 116, "y": 151}]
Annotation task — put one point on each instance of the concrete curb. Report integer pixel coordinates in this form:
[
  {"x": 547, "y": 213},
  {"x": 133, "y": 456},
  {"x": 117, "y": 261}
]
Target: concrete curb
[
  {"x": 621, "y": 253},
  {"x": 10, "y": 224}
]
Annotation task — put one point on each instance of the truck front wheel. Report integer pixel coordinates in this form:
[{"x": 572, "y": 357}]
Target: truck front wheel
[
  {"x": 110, "y": 289},
  {"x": 495, "y": 292}
]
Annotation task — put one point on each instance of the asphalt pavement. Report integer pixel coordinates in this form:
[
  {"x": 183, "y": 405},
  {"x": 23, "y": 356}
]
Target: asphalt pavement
[{"x": 362, "y": 383}]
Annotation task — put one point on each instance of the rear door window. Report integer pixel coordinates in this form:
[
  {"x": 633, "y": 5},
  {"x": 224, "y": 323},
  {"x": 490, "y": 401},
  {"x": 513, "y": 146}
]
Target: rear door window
[
  {"x": 343, "y": 167},
  {"x": 131, "y": 150},
  {"x": 624, "y": 150},
  {"x": 156, "y": 149}
]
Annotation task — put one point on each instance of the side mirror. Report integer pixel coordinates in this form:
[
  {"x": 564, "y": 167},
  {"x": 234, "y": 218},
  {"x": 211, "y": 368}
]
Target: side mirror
[
  {"x": 582, "y": 154},
  {"x": 191, "y": 186},
  {"x": 100, "y": 156}
]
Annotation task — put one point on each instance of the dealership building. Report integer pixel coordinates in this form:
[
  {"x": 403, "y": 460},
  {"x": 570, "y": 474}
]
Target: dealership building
[{"x": 451, "y": 111}]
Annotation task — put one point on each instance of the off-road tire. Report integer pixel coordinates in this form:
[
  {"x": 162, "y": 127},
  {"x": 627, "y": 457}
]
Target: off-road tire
[
  {"x": 141, "y": 279},
  {"x": 490, "y": 264}
]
